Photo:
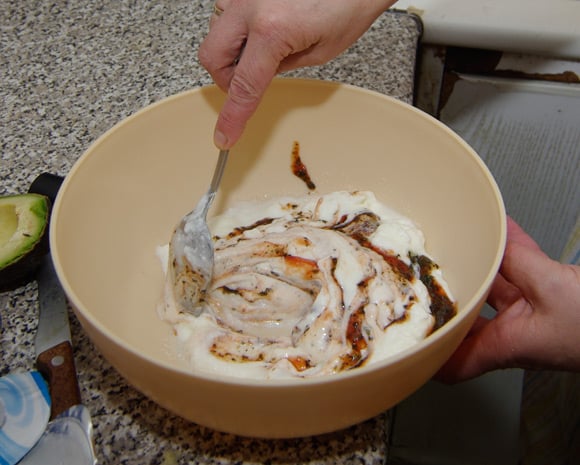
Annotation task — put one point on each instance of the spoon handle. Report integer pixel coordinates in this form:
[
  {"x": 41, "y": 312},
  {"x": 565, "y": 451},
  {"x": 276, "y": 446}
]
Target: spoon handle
[{"x": 219, "y": 171}]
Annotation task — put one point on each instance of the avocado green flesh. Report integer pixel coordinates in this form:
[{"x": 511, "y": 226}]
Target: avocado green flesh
[
  {"x": 23, "y": 222},
  {"x": 8, "y": 223}
]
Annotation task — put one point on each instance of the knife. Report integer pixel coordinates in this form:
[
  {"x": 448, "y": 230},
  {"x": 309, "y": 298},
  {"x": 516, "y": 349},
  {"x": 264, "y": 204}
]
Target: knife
[
  {"x": 54, "y": 353},
  {"x": 68, "y": 436}
]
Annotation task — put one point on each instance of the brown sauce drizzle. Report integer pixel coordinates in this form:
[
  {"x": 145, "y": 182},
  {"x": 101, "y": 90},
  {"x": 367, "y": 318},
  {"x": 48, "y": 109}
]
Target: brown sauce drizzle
[
  {"x": 442, "y": 308},
  {"x": 360, "y": 228},
  {"x": 299, "y": 169},
  {"x": 358, "y": 343},
  {"x": 300, "y": 363},
  {"x": 306, "y": 268},
  {"x": 241, "y": 229}
]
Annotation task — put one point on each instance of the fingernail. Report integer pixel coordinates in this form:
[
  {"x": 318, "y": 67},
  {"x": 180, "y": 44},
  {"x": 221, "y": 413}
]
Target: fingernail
[{"x": 220, "y": 140}]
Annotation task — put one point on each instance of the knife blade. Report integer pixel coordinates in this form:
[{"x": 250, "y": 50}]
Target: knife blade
[{"x": 54, "y": 353}]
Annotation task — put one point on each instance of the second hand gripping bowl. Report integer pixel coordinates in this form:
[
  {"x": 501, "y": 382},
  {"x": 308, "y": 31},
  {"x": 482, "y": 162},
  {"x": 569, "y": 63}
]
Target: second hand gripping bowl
[{"x": 125, "y": 195}]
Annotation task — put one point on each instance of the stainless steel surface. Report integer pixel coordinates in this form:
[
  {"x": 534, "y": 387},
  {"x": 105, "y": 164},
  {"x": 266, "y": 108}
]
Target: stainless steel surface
[{"x": 53, "y": 325}]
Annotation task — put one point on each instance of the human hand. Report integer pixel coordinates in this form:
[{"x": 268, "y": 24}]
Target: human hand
[
  {"x": 275, "y": 36},
  {"x": 537, "y": 325}
]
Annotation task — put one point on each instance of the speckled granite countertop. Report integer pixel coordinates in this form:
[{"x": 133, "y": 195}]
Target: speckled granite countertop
[{"x": 68, "y": 72}]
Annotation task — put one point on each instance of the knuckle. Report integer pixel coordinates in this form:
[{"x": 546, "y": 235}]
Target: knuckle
[
  {"x": 243, "y": 91},
  {"x": 206, "y": 55},
  {"x": 272, "y": 25},
  {"x": 203, "y": 56}
]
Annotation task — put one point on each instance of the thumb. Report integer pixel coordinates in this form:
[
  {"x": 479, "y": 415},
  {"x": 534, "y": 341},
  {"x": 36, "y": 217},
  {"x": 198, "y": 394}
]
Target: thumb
[
  {"x": 512, "y": 337},
  {"x": 531, "y": 271},
  {"x": 481, "y": 351}
]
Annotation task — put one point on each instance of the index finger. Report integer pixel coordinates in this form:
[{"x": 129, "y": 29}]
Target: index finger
[{"x": 250, "y": 79}]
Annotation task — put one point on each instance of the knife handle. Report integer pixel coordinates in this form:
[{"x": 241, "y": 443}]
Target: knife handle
[
  {"x": 57, "y": 365},
  {"x": 46, "y": 184}
]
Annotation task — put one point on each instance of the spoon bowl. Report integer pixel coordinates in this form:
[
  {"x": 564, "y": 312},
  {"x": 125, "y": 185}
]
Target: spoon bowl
[{"x": 191, "y": 249}]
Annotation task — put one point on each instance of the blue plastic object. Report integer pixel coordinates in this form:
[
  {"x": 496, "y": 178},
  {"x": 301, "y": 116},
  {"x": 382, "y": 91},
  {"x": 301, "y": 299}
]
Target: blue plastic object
[{"x": 24, "y": 414}]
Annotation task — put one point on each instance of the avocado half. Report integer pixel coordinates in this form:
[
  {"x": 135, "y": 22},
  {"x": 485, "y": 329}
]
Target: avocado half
[{"x": 23, "y": 237}]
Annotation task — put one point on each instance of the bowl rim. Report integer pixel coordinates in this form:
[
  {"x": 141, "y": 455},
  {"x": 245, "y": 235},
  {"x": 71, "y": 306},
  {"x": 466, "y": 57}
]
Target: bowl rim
[{"x": 232, "y": 380}]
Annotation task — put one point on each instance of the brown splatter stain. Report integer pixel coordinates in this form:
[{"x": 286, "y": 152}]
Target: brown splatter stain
[{"x": 299, "y": 168}]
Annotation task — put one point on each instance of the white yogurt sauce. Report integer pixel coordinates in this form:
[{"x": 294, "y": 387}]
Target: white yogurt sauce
[{"x": 307, "y": 286}]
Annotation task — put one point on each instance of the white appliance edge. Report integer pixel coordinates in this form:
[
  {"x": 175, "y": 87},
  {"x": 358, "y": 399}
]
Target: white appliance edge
[{"x": 544, "y": 27}]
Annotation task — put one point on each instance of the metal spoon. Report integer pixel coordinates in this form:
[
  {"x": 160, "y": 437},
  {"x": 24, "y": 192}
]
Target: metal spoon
[{"x": 191, "y": 249}]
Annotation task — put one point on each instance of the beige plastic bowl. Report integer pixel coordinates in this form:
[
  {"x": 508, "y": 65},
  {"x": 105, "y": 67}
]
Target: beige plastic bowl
[{"x": 125, "y": 194}]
